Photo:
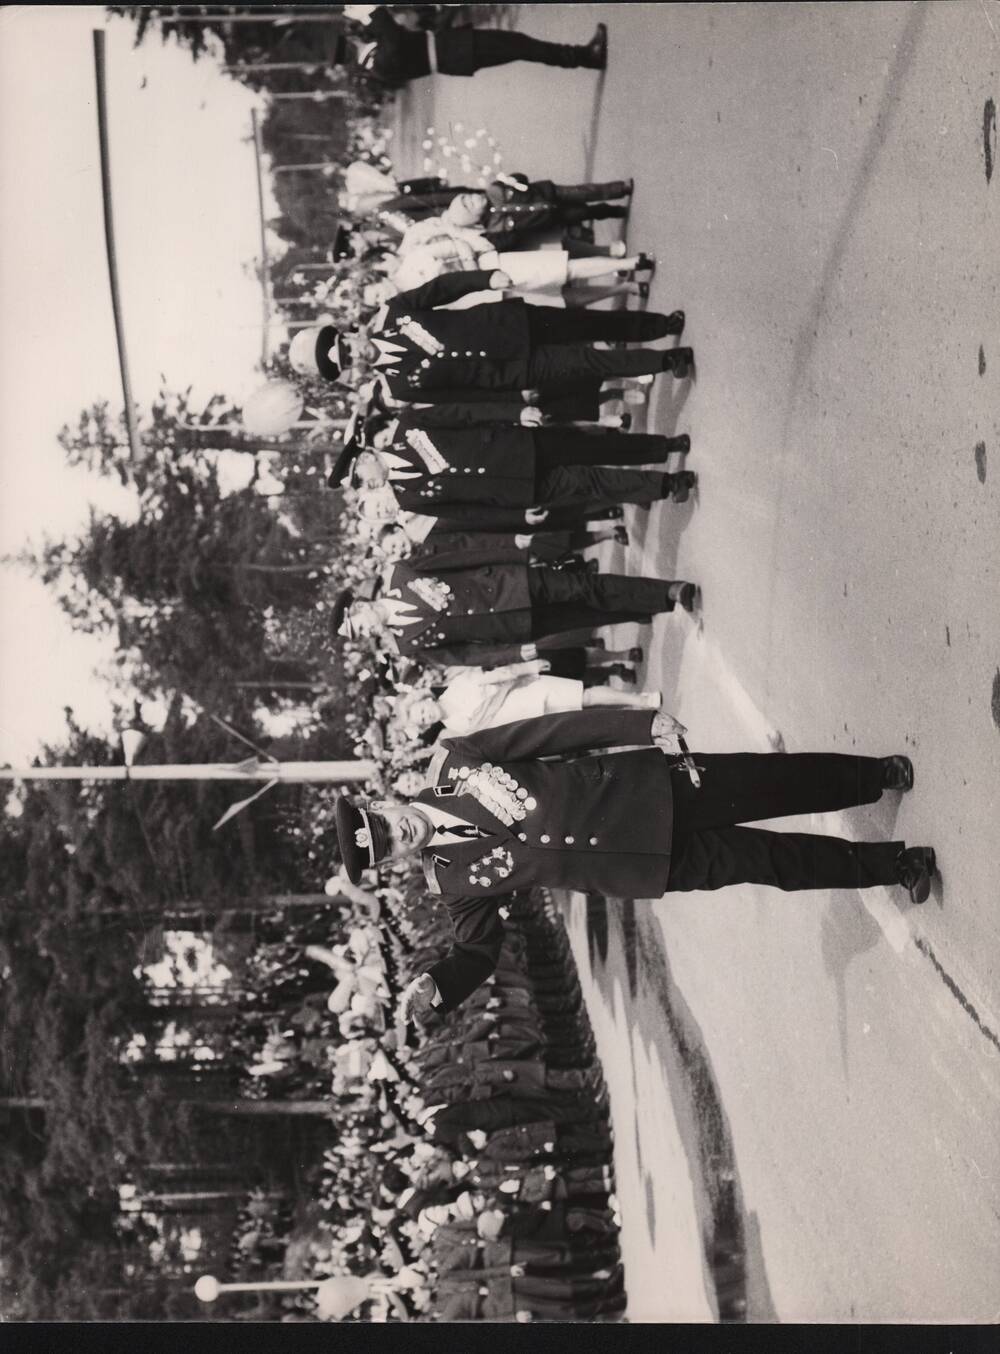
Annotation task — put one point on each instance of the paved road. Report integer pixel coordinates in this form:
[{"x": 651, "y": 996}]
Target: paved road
[{"x": 815, "y": 183}]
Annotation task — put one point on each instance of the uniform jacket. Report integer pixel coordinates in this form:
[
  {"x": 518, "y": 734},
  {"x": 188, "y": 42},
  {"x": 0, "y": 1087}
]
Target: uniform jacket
[
  {"x": 477, "y": 1295},
  {"x": 405, "y": 54},
  {"x": 466, "y": 610},
  {"x": 517, "y": 211},
  {"x": 521, "y": 1142},
  {"x": 431, "y": 468},
  {"x": 446, "y": 352},
  {"x": 599, "y": 823},
  {"x": 458, "y": 1246}
]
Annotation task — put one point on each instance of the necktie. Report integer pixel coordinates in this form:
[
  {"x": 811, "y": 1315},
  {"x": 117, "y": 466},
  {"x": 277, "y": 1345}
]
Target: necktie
[{"x": 467, "y": 831}]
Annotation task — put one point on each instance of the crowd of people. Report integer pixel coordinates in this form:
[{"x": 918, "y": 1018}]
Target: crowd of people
[
  {"x": 489, "y": 452},
  {"x": 472, "y": 1177}
]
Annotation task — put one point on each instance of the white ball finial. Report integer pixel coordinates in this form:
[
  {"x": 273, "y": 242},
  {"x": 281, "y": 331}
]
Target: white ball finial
[{"x": 207, "y": 1288}]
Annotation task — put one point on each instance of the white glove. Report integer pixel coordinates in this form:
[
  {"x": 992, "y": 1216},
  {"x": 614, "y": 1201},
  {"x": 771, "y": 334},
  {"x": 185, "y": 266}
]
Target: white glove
[
  {"x": 665, "y": 730},
  {"x": 417, "y": 998},
  {"x": 531, "y": 416}
]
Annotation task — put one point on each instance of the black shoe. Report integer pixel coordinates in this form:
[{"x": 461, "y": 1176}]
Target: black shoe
[
  {"x": 686, "y": 594},
  {"x": 635, "y": 654},
  {"x": 596, "y": 50},
  {"x": 645, "y": 263},
  {"x": 675, "y": 322},
  {"x": 678, "y": 361},
  {"x": 914, "y": 869},
  {"x": 897, "y": 773},
  {"x": 621, "y": 535},
  {"x": 591, "y": 566},
  {"x": 681, "y": 444},
  {"x": 643, "y": 290},
  {"x": 624, "y": 422},
  {"x": 681, "y": 484},
  {"x": 620, "y": 671}
]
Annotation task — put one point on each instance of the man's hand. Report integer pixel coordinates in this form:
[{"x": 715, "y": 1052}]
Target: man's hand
[
  {"x": 532, "y": 416},
  {"x": 665, "y": 730},
  {"x": 535, "y": 516},
  {"x": 531, "y": 396},
  {"x": 499, "y": 280},
  {"x": 417, "y": 998}
]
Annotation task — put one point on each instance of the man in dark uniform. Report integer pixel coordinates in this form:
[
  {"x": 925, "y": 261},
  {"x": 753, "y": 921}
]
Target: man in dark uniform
[
  {"x": 512, "y": 206},
  {"x": 458, "y": 472},
  {"x": 493, "y": 607},
  {"x": 496, "y": 818},
  {"x": 393, "y": 55},
  {"x": 424, "y": 353}
]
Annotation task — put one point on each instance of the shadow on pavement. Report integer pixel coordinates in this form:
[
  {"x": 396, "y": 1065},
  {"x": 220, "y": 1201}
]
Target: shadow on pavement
[
  {"x": 845, "y": 933},
  {"x": 884, "y": 117},
  {"x": 620, "y": 936}
]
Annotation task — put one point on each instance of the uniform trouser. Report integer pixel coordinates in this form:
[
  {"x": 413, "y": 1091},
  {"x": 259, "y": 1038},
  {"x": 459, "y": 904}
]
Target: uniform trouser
[
  {"x": 559, "y": 367},
  {"x": 710, "y": 850},
  {"x": 565, "y": 1256},
  {"x": 590, "y": 192},
  {"x": 548, "y": 325},
  {"x": 563, "y": 601},
  {"x": 553, "y": 1286},
  {"x": 497, "y": 47},
  {"x": 575, "y": 213},
  {"x": 584, "y": 487},
  {"x": 571, "y": 446}
]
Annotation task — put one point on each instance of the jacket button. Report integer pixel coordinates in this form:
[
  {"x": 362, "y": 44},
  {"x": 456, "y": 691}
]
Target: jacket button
[
  {"x": 570, "y": 840},
  {"x": 545, "y": 838},
  {"x": 593, "y": 841},
  {"x": 482, "y": 470},
  {"x": 522, "y": 836},
  {"x": 468, "y": 469}
]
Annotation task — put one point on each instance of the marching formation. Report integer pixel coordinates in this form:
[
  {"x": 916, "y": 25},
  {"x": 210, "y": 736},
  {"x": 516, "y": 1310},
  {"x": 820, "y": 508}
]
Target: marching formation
[{"x": 479, "y": 454}]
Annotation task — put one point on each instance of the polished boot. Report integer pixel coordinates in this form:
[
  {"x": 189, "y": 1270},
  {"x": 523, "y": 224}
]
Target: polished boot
[
  {"x": 678, "y": 361},
  {"x": 678, "y": 486},
  {"x": 913, "y": 871},
  {"x": 897, "y": 773},
  {"x": 686, "y": 594}
]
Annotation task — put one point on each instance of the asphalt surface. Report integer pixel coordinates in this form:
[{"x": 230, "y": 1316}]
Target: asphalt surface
[{"x": 807, "y": 1123}]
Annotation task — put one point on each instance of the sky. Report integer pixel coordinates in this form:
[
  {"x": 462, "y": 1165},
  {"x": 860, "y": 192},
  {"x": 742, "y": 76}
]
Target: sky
[{"x": 184, "y": 186}]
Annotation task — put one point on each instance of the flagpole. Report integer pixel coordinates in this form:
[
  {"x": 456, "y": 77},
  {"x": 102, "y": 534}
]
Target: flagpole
[
  {"x": 292, "y": 773},
  {"x": 135, "y": 446}
]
